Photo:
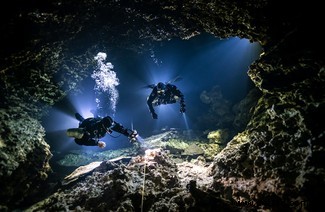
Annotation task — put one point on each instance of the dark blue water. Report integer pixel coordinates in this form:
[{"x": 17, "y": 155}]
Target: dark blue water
[{"x": 202, "y": 62}]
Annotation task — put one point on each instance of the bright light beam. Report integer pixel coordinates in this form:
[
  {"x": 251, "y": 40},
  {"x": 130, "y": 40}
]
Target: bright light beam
[{"x": 185, "y": 121}]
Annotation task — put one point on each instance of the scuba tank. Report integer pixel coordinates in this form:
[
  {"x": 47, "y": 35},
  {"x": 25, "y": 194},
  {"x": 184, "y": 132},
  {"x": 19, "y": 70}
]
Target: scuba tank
[{"x": 75, "y": 132}]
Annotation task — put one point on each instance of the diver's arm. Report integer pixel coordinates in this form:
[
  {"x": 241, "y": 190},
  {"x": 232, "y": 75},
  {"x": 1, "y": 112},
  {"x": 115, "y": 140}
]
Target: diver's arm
[
  {"x": 150, "y": 99},
  {"x": 149, "y": 103},
  {"x": 117, "y": 127},
  {"x": 131, "y": 134}
]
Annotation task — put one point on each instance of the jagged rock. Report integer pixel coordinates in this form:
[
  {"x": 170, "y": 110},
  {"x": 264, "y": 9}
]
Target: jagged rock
[
  {"x": 193, "y": 150},
  {"x": 152, "y": 178},
  {"x": 24, "y": 157}
]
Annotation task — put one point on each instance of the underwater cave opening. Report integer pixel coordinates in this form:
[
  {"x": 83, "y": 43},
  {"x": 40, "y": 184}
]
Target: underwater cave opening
[{"x": 213, "y": 71}]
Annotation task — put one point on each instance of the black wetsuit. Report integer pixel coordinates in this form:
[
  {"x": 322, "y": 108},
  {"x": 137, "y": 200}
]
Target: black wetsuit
[
  {"x": 96, "y": 128},
  {"x": 171, "y": 95}
]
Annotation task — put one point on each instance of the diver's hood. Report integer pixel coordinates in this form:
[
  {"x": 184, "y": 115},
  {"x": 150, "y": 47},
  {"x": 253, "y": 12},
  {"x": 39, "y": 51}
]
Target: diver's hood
[
  {"x": 161, "y": 86},
  {"x": 107, "y": 122}
]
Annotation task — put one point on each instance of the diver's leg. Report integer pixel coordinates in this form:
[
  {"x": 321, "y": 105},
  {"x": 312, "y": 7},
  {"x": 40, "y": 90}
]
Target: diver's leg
[{"x": 79, "y": 117}]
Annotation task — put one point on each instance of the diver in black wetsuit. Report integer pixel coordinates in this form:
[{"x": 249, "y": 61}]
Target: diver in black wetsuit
[
  {"x": 165, "y": 94},
  {"x": 90, "y": 130}
]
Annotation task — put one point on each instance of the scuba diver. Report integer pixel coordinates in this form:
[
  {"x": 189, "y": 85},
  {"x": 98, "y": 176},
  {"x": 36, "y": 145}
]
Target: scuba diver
[
  {"x": 90, "y": 130},
  {"x": 164, "y": 93}
]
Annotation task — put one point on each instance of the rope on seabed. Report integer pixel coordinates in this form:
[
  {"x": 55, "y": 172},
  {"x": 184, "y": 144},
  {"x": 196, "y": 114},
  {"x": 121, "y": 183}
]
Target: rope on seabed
[{"x": 143, "y": 184}]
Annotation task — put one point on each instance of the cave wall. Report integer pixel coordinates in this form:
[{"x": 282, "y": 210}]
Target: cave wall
[
  {"x": 45, "y": 54},
  {"x": 276, "y": 162},
  {"x": 24, "y": 156}
]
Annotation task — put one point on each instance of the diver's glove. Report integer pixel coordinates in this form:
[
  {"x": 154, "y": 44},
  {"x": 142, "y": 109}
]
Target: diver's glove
[
  {"x": 101, "y": 144},
  {"x": 154, "y": 115},
  {"x": 133, "y": 137}
]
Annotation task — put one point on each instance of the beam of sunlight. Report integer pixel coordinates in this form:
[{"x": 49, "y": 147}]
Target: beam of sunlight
[
  {"x": 168, "y": 117},
  {"x": 83, "y": 104},
  {"x": 186, "y": 122},
  {"x": 160, "y": 76}
]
